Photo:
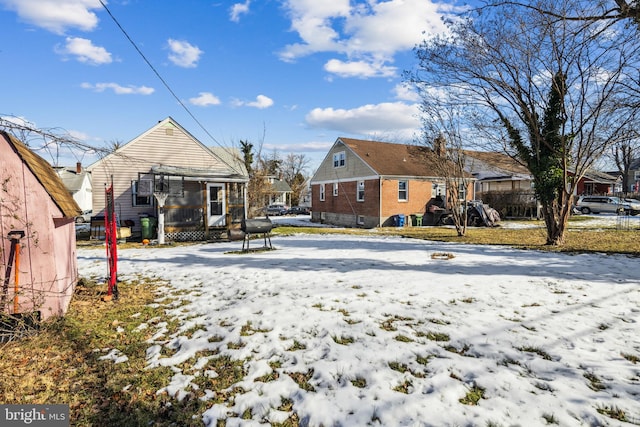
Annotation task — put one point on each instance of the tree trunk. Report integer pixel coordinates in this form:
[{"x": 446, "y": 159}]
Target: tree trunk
[{"x": 556, "y": 216}]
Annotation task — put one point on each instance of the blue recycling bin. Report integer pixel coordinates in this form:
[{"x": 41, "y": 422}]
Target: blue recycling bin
[{"x": 399, "y": 220}]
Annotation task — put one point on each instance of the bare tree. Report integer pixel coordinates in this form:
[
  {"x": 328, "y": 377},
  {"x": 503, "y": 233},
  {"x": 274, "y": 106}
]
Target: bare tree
[
  {"x": 294, "y": 168},
  {"x": 554, "y": 90},
  {"x": 587, "y": 10},
  {"x": 624, "y": 154},
  {"x": 443, "y": 130},
  {"x": 51, "y": 141}
]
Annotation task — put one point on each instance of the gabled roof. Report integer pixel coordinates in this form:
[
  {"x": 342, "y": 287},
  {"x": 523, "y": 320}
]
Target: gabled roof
[
  {"x": 391, "y": 159},
  {"x": 281, "y": 186},
  {"x": 72, "y": 179},
  {"x": 498, "y": 161},
  {"x": 600, "y": 177},
  {"x": 46, "y": 175},
  {"x": 233, "y": 166}
]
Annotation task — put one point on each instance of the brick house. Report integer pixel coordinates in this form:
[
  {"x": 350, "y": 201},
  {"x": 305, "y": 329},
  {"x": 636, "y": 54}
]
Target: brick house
[{"x": 369, "y": 183}]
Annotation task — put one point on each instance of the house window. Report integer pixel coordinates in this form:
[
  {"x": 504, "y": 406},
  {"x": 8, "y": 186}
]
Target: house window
[
  {"x": 322, "y": 192},
  {"x": 462, "y": 191},
  {"x": 339, "y": 160},
  {"x": 141, "y": 192},
  {"x": 335, "y": 188},
  {"x": 360, "y": 195},
  {"x": 360, "y": 220},
  {"x": 403, "y": 191}
]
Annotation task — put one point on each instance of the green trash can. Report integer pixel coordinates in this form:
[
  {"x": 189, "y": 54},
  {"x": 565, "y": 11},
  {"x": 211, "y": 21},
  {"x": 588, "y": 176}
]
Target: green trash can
[
  {"x": 153, "y": 225},
  {"x": 145, "y": 224},
  {"x": 418, "y": 220}
]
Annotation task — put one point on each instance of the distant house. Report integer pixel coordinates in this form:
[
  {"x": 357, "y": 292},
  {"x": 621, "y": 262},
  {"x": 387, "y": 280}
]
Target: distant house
[
  {"x": 205, "y": 189},
  {"x": 37, "y": 211},
  {"x": 279, "y": 192},
  {"x": 78, "y": 181},
  {"x": 502, "y": 182},
  {"x": 369, "y": 183},
  {"x": 596, "y": 182}
]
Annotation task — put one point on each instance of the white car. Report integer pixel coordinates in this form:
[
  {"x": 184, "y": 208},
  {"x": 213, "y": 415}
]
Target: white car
[
  {"x": 85, "y": 216},
  {"x": 606, "y": 204}
]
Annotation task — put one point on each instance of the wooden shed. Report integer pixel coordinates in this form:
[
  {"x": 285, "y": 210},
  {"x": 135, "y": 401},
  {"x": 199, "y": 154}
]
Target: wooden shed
[{"x": 37, "y": 214}]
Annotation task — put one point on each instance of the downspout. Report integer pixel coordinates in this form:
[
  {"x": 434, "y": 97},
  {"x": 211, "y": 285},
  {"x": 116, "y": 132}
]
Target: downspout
[{"x": 379, "y": 200}]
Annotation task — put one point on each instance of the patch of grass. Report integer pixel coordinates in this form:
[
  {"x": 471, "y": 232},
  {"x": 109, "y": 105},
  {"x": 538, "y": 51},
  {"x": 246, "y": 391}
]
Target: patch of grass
[
  {"x": 439, "y": 321},
  {"x": 612, "y": 412},
  {"x": 297, "y": 345},
  {"x": 462, "y": 351},
  {"x": 359, "y": 382},
  {"x": 343, "y": 340},
  {"x": 537, "y": 350},
  {"x": 404, "y": 387},
  {"x": 235, "y": 345},
  {"x": 468, "y": 300},
  {"x": 248, "y": 329},
  {"x": 434, "y": 336},
  {"x": 631, "y": 357},
  {"x": 550, "y": 419},
  {"x": 397, "y": 366},
  {"x": 595, "y": 383},
  {"x": 423, "y": 360},
  {"x": 60, "y": 364},
  {"x": 473, "y": 396},
  {"x": 603, "y": 326},
  {"x": 302, "y": 379},
  {"x": 402, "y": 338}
]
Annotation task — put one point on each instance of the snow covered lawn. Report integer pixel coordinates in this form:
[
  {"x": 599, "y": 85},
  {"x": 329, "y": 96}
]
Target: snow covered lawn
[{"x": 370, "y": 330}]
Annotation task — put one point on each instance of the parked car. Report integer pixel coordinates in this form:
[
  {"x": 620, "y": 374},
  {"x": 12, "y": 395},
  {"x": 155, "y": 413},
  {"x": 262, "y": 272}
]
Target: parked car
[
  {"x": 606, "y": 204},
  {"x": 298, "y": 210},
  {"x": 85, "y": 216},
  {"x": 275, "y": 210},
  {"x": 635, "y": 205}
]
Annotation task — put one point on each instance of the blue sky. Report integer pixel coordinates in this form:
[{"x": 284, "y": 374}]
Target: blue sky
[{"x": 291, "y": 74}]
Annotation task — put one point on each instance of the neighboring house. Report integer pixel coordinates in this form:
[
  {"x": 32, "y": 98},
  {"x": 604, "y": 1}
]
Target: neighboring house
[
  {"x": 205, "y": 188},
  {"x": 279, "y": 192},
  {"x": 78, "y": 181},
  {"x": 502, "y": 182},
  {"x": 596, "y": 182},
  {"x": 497, "y": 172},
  {"x": 368, "y": 183},
  {"x": 34, "y": 201}
]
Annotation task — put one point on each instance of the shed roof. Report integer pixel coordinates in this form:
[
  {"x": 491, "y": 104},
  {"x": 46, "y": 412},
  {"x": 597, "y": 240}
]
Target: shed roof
[
  {"x": 501, "y": 161},
  {"x": 46, "y": 175},
  {"x": 393, "y": 159}
]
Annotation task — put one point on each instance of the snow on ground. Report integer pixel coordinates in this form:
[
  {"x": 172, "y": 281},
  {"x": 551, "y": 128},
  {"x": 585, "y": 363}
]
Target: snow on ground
[{"x": 384, "y": 334}]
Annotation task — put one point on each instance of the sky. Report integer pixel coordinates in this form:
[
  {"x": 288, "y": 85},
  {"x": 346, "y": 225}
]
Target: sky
[
  {"x": 550, "y": 337},
  {"x": 289, "y": 76}
]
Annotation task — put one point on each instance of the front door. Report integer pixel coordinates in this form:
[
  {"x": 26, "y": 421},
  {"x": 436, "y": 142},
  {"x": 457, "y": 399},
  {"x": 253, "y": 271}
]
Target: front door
[{"x": 215, "y": 203}]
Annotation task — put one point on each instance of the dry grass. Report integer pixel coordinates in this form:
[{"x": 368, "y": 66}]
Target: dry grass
[
  {"x": 61, "y": 364},
  {"x": 578, "y": 239}
]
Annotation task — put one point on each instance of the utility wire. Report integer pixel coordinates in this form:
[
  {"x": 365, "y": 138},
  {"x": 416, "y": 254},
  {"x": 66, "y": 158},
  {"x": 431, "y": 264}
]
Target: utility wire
[{"x": 164, "y": 82}]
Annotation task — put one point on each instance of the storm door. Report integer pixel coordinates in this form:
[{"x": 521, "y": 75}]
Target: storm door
[{"x": 215, "y": 204}]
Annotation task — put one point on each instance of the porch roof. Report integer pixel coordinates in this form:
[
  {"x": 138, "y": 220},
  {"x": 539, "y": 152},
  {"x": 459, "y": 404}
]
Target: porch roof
[{"x": 198, "y": 174}]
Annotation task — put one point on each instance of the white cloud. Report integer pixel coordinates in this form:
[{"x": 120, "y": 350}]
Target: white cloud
[
  {"x": 85, "y": 51},
  {"x": 386, "y": 118},
  {"x": 184, "y": 54},
  {"x": 118, "y": 89},
  {"x": 369, "y": 35},
  {"x": 404, "y": 92},
  {"x": 204, "y": 99},
  {"x": 57, "y": 15},
  {"x": 239, "y": 9},
  {"x": 261, "y": 102},
  {"x": 362, "y": 69}
]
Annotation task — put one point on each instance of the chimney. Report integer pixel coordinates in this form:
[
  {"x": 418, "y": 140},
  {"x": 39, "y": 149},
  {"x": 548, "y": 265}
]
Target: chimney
[
  {"x": 440, "y": 146},
  {"x": 78, "y": 167}
]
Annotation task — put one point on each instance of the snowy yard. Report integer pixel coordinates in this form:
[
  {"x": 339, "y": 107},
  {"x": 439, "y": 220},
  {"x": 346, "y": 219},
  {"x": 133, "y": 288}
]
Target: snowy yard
[{"x": 370, "y": 330}]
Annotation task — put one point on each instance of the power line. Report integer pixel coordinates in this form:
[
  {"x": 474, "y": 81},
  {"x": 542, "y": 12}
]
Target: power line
[{"x": 164, "y": 82}]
